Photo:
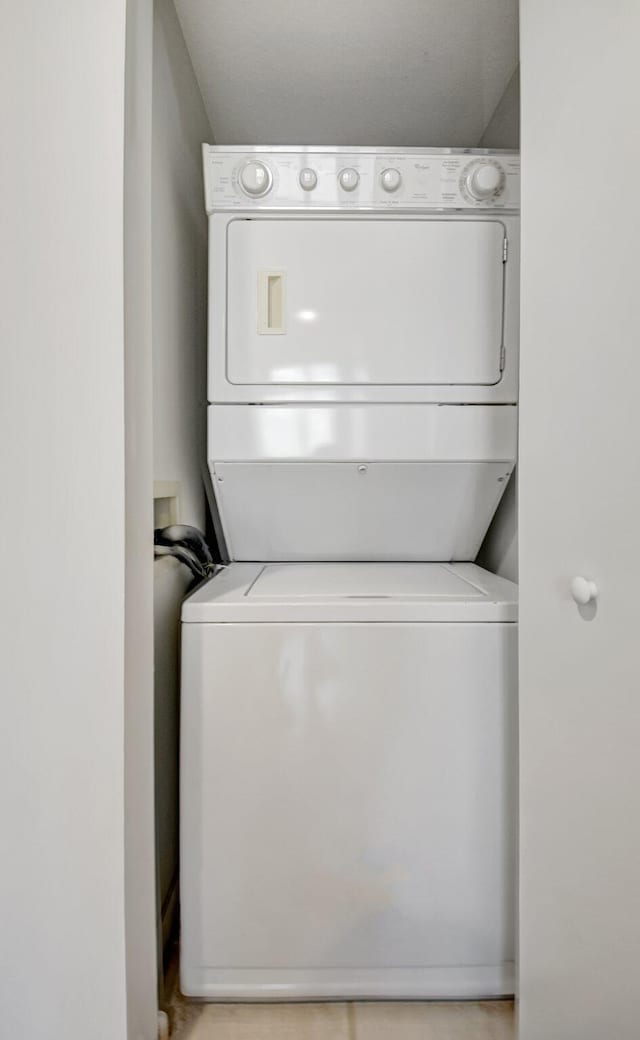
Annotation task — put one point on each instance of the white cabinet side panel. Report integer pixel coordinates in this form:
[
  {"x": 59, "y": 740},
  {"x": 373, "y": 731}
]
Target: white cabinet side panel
[{"x": 579, "y": 481}]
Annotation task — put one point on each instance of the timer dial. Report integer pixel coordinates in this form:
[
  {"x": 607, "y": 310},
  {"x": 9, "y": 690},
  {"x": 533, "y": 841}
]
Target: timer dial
[
  {"x": 483, "y": 180},
  {"x": 255, "y": 178}
]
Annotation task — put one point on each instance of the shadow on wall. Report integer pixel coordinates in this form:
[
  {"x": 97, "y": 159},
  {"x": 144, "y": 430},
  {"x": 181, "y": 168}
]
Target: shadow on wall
[
  {"x": 171, "y": 581},
  {"x": 503, "y": 129},
  {"x": 499, "y": 551},
  {"x": 179, "y": 300}
]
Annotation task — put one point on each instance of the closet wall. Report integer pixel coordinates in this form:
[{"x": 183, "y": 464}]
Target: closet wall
[
  {"x": 499, "y": 552},
  {"x": 179, "y": 271},
  {"x": 503, "y": 129},
  {"x": 179, "y": 308}
]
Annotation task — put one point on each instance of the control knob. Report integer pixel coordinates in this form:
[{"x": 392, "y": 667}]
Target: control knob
[
  {"x": 391, "y": 179},
  {"x": 349, "y": 179},
  {"x": 255, "y": 178},
  {"x": 308, "y": 179},
  {"x": 484, "y": 180}
]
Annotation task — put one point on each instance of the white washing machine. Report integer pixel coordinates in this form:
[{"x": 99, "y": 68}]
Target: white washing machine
[{"x": 348, "y": 781}]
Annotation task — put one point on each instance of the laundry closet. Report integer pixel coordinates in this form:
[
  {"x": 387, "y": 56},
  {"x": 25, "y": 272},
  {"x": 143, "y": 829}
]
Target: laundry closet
[
  {"x": 362, "y": 427},
  {"x": 337, "y": 394},
  {"x": 360, "y": 403},
  {"x": 292, "y": 295}
]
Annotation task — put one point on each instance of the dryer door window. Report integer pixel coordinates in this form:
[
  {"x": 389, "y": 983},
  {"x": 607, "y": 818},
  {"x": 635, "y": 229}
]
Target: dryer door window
[{"x": 364, "y": 301}]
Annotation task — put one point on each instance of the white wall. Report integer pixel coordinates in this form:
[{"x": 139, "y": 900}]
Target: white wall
[
  {"x": 365, "y": 72},
  {"x": 179, "y": 239},
  {"x": 62, "y": 892},
  {"x": 140, "y": 836},
  {"x": 180, "y": 126}
]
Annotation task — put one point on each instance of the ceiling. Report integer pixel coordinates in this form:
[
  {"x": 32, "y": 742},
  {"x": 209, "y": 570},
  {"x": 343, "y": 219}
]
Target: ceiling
[{"x": 361, "y": 72}]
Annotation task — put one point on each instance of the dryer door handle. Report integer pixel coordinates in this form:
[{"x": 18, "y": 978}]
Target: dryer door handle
[{"x": 271, "y": 301}]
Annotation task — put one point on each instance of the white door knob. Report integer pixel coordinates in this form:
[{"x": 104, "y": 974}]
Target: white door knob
[{"x": 583, "y": 591}]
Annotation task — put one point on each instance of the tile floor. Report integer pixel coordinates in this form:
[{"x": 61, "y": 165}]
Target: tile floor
[{"x": 489, "y": 1020}]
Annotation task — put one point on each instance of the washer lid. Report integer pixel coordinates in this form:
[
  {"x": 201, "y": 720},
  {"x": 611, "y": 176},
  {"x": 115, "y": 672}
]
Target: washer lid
[
  {"x": 361, "y": 581},
  {"x": 356, "y": 592}
]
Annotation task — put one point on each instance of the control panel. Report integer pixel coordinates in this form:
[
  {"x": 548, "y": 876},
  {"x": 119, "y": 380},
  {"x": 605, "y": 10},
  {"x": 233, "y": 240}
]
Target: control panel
[{"x": 308, "y": 179}]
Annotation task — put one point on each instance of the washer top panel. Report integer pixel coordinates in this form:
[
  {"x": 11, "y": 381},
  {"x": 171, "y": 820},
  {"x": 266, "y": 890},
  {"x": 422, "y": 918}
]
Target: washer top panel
[
  {"x": 364, "y": 581},
  {"x": 353, "y": 592},
  {"x": 419, "y": 179}
]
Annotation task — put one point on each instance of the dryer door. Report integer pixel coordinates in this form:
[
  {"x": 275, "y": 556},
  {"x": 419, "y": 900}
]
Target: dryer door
[{"x": 364, "y": 302}]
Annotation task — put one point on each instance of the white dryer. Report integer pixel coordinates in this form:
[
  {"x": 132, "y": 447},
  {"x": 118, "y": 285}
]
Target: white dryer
[
  {"x": 348, "y": 705},
  {"x": 363, "y": 350}
]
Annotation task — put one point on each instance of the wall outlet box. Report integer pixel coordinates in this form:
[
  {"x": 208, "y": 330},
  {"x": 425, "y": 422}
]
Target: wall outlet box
[{"x": 166, "y": 496}]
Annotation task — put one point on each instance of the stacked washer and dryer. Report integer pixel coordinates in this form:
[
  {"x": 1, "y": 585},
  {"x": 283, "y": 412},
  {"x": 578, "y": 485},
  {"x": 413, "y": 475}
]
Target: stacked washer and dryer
[{"x": 348, "y": 734}]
